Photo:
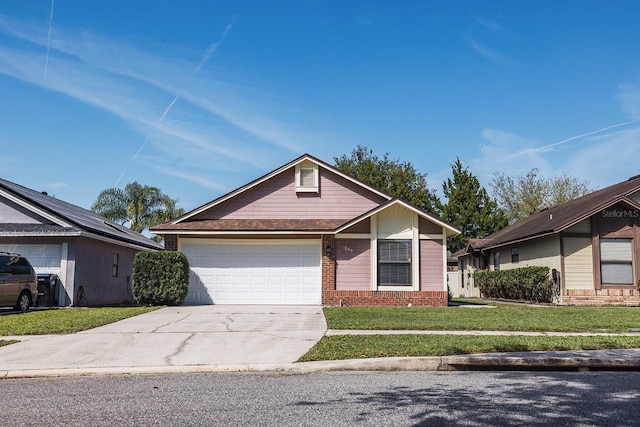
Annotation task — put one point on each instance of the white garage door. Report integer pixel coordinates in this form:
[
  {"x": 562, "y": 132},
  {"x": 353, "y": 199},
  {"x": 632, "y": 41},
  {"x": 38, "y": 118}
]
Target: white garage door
[
  {"x": 272, "y": 272},
  {"x": 43, "y": 258}
]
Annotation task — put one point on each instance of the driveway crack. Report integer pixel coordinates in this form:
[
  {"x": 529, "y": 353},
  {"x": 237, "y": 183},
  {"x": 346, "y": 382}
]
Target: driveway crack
[
  {"x": 180, "y": 349},
  {"x": 169, "y": 323}
]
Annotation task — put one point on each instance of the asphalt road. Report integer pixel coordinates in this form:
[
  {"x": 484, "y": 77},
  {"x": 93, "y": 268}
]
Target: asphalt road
[{"x": 326, "y": 399}]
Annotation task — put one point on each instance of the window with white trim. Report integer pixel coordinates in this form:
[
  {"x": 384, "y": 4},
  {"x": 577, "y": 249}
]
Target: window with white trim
[
  {"x": 496, "y": 261},
  {"x": 394, "y": 262},
  {"x": 616, "y": 261},
  {"x": 307, "y": 177}
]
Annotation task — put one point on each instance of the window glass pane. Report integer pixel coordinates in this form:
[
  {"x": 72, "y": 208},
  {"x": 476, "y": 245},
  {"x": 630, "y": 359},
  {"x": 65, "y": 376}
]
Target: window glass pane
[
  {"x": 4, "y": 264},
  {"x": 394, "y": 274},
  {"x": 616, "y": 250},
  {"x": 617, "y": 274},
  {"x": 307, "y": 177},
  {"x": 394, "y": 251},
  {"x": 394, "y": 262}
]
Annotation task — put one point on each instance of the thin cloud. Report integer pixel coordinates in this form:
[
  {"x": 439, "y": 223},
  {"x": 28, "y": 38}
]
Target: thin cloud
[
  {"x": 485, "y": 52},
  {"x": 549, "y": 147},
  {"x": 131, "y": 84},
  {"x": 46, "y": 62},
  {"x": 629, "y": 95},
  {"x": 491, "y": 25},
  {"x": 214, "y": 46}
]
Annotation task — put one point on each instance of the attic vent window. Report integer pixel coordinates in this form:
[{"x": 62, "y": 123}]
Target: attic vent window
[{"x": 307, "y": 177}]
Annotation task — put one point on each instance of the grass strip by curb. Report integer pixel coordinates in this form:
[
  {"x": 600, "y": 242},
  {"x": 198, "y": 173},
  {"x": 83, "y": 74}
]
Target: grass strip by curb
[
  {"x": 7, "y": 342},
  {"x": 340, "y": 347}
]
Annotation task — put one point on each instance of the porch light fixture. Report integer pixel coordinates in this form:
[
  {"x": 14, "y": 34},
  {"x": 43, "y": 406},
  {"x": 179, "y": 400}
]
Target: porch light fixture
[{"x": 327, "y": 250}]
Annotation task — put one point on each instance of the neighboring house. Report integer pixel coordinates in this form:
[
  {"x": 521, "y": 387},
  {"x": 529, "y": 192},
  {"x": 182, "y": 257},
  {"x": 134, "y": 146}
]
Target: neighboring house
[
  {"x": 591, "y": 245},
  {"x": 92, "y": 256},
  {"x": 307, "y": 233}
]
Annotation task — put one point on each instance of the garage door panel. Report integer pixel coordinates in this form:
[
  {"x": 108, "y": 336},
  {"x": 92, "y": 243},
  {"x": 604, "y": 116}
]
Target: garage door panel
[{"x": 262, "y": 273}]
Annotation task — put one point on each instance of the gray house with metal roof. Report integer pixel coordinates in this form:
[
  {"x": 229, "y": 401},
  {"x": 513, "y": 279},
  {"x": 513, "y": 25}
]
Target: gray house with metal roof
[
  {"x": 592, "y": 243},
  {"x": 92, "y": 256}
]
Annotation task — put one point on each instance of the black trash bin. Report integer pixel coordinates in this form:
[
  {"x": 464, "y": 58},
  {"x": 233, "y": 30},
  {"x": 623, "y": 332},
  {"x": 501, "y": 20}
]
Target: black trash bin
[{"x": 47, "y": 290}]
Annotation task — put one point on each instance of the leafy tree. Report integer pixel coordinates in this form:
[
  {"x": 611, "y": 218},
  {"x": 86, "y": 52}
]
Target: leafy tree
[
  {"x": 396, "y": 178},
  {"x": 469, "y": 207},
  {"x": 524, "y": 195},
  {"x": 141, "y": 206}
]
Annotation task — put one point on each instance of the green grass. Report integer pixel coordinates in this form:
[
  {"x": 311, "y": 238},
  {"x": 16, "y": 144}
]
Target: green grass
[
  {"x": 503, "y": 317},
  {"x": 7, "y": 342},
  {"x": 339, "y": 347},
  {"x": 65, "y": 320}
]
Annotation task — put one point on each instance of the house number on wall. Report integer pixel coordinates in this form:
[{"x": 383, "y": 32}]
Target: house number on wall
[{"x": 347, "y": 249}]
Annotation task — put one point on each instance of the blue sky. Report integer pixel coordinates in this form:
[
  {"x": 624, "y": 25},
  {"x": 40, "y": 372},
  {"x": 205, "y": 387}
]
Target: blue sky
[{"x": 201, "y": 97}]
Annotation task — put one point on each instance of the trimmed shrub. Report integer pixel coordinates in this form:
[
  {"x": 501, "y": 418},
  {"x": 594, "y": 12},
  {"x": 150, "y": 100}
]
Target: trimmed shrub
[
  {"x": 160, "y": 278},
  {"x": 524, "y": 284}
]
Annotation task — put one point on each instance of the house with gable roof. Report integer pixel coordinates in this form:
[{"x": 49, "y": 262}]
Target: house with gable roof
[
  {"x": 591, "y": 245},
  {"x": 92, "y": 256},
  {"x": 307, "y": 233}
]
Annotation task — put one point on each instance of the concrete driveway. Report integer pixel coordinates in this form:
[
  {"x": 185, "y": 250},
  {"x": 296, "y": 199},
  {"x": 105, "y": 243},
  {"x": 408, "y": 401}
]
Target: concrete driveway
[{"x": 184, "y": 336}]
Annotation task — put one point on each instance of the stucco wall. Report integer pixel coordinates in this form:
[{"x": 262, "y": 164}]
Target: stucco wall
[{"x": 93, "y": 273}]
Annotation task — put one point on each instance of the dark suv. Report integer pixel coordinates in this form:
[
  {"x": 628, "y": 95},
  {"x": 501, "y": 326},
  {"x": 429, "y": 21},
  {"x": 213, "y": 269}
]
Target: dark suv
[{"x": 18, "y": 282}]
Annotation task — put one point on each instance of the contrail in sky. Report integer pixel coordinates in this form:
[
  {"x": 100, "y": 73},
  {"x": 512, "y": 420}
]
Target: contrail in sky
[
  {"x": 126, "y": 168},
  {"x": 46, "y": 63},
  {"x": 205, "y": 57},
  {"x": 564, "y": 141},
  {"x": 214, "y": 46}
]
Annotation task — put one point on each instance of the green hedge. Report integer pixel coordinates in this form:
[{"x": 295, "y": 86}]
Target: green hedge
[
  {"x": 160, "y": 278},
  {"x": 525, "y": 284}
]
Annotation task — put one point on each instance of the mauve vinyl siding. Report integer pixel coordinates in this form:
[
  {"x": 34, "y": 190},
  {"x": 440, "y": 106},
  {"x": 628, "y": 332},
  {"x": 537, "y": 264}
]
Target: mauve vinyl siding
[
  {"x": 431, "y": 268},
  {"x": 276, "y": 198},
  {"x": 353, "y": 270}
]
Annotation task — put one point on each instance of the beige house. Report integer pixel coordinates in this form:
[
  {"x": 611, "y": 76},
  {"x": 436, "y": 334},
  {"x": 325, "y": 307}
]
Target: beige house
[{"x": 590, "y": 244}]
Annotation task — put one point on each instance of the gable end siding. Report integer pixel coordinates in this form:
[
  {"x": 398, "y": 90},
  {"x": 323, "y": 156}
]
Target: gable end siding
[{"x": 276, "y": 198}]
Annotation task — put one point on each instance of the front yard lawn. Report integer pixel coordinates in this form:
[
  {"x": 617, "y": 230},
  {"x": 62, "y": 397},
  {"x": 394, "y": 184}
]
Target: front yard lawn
[
  {"x": 65, "y": 320},
  {"x": 503, "y": 317}
]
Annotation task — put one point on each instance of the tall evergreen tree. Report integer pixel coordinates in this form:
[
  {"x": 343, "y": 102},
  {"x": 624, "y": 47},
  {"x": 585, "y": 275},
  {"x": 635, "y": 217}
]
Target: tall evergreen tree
[
  {"x": 469, "y": 207},
  {"x": 396, "y": 178}
]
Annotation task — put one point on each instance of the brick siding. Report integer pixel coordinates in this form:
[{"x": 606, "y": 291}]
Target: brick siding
[
  {"x": 601, "y": 297},
  {"x": 385, "y": 298}
]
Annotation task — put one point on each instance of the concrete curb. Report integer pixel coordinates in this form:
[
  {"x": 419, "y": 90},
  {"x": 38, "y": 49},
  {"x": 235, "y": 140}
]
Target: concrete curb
[{"x": 497, "y": 362}]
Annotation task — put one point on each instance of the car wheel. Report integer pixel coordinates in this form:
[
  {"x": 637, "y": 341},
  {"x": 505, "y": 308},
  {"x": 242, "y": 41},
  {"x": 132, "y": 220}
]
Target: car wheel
[{"x": 24, "y": 302}]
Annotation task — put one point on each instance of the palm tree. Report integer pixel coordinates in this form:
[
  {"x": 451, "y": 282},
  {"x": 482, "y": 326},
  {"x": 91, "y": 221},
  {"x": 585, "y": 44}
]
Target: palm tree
[{"x": 141, "y": 206}]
